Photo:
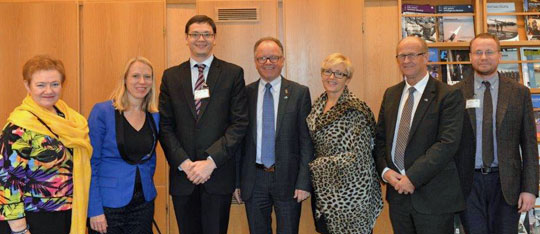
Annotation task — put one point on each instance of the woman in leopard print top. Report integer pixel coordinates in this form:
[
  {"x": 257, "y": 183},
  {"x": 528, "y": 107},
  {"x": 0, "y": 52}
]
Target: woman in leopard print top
[{"x": 347, "y": 193}]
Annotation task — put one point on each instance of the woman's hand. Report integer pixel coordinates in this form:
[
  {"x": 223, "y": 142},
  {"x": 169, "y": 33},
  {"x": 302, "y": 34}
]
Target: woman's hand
[
  {"x": 18, "y": 225},
  {"x": 99, "y": 223}
]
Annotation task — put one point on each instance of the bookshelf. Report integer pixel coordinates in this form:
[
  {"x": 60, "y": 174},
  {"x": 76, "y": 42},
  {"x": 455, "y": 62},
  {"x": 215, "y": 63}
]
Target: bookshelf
[{"x": 480, "y": 20}]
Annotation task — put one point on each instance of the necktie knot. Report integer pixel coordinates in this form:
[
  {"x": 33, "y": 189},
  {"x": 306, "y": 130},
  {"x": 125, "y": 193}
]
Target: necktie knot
[
  {"x": 268, "y": 86},
  {"x": 487, "y": 84},
  {"x": 411, "y": 90},
  {"x": 201, "y": 67}
]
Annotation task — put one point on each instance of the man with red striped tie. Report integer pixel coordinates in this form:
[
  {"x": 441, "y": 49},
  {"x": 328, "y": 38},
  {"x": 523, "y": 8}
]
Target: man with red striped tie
[{"x": 203, "y": 121}]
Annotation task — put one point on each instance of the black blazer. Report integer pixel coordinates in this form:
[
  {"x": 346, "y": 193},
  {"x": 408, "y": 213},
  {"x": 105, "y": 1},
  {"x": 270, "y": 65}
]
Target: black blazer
[
  {"x": 294, "y": 149},
  {"x": 516, "y": 130},
  {"x": 429, "y": 157},
  {"x": 218, "y": 131}
]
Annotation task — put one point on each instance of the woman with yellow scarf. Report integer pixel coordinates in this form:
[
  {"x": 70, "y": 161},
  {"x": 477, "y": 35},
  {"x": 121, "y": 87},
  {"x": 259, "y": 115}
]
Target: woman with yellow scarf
[{"x": 44, "y": 158}]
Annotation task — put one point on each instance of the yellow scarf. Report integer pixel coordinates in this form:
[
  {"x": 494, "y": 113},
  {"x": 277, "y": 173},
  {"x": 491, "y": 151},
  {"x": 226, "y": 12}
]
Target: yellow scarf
[{"x": 72, "y": 131}]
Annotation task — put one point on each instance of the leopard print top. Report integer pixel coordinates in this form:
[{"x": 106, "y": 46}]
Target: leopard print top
[{"x": 345, "y": 182}]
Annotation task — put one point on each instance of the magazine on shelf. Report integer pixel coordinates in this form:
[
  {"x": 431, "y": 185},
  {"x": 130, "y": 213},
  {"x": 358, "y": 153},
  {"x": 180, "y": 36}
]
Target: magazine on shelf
[
  {"x": 423, "y": 27},
  {"x": 434, "y": 69},
  {"x": 509, "y": 70},
  {"x": 454, "y": 73},
  {"x": 455, "y": 28},
  {"x": 503, "y": 26},
  {"x": 532, "y": 22},
  {"x": 531, "y": 71}
]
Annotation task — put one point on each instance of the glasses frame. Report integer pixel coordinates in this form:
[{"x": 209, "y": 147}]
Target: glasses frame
[
  {"x": 402, "y": 57},
  {"x": 337, "y": 74},
  {"x": 272, "y": 59},
  {"x": 196, "y": 36},
  {"x": 487, "y": 53}
]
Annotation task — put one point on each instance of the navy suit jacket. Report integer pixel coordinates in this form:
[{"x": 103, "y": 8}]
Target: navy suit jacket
[{"x": 113, "y": 179}]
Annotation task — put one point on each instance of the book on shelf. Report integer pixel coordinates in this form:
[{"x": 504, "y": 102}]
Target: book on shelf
[
  {"x": 434, "y": 70},
  {"x": 537, "y": 122},
  {"x": 535, "y": 98},
  {"x": 455, "y": 28},
  {"x": 454, "y": 73},
  {"x": 532, "y": 22},
  {"x": 530, "y": 70},
  {"x": 502, "y": 26},
  {"x": 423, "y": 27},
  {"x": 509, "y": 70},
  {"x": 455, "y": 9}
]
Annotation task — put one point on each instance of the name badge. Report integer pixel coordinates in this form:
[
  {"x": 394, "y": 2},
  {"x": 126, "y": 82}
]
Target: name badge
[
  {"x": 472, "y": 103},
  {"x": 202, "y": 93}
]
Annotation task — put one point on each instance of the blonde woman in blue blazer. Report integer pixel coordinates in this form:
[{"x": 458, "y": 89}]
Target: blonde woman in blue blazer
[{"x": 124, "y": 133}]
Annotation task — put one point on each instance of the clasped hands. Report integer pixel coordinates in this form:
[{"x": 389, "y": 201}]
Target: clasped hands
[
  {"x": 401, "y": 183},
  {"x": 198, "y": 172}
]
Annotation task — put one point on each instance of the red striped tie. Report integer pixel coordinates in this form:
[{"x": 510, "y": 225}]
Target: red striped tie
[{"x": 199, "y": 86}]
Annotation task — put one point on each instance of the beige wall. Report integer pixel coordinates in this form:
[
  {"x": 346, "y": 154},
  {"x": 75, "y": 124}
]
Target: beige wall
[{"x": 95, "y": 38}]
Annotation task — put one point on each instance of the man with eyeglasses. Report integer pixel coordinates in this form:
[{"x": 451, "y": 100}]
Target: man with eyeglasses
[
  {"x": 204, "y": 118},
  {"x": 498, "y": 155},
  {"x": 274, "y": 170},
  {"x": 417, "y": 135}
]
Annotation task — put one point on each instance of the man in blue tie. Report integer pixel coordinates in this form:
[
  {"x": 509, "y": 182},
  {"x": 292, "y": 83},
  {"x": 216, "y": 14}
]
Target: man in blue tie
[{"x": 273, "y": 166}]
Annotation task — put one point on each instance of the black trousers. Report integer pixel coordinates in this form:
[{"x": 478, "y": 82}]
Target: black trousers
[
  {"x": 57, "y": 222},
  {"x": 134, "y": 218},
  {"x": 202, "y": 212},
  {"x": 406, "y": 220}
]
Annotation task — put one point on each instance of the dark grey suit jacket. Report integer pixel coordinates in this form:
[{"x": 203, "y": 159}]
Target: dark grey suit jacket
[
  {"x": 433, "y": 141},
  {"x": 515, "y": 129},
  {"x": 294, "y": 149},
  {"x": 218, "y": 131}
]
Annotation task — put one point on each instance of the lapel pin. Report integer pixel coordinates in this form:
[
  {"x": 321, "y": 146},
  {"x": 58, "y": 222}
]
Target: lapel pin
[
  {"x": 286, "y": 94},
  {"x": 425, "y": 99}
]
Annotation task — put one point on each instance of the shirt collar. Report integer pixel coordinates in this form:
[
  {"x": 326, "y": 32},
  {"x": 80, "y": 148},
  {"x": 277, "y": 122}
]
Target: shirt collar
[
  {"x": 274, "y": 82},
  {"x": 493, "y": 80},
  {"x": 420, "y": 86},
  {"x": 206, "y": 62}
]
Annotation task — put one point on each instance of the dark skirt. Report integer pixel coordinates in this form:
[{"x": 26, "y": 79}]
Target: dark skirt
[
  {"x": 134, "y": 218},
  {"x": 54, "y": 222}
]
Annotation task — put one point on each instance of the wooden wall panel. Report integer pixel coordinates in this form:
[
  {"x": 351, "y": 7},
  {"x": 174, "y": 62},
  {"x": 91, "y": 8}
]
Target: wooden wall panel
[
  {"x": 177, "y": 17},
  {"x": 315, "y": 29},
  {"x": 113, "y": 32},
  {"x": 32, "y": 28},
  {"x": 380, "y": 68},
  {"x": 235, "y": 40}
]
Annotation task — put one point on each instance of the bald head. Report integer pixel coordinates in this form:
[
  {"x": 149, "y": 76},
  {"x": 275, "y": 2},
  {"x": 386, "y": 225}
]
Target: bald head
[{"x": 411, "y": 40}]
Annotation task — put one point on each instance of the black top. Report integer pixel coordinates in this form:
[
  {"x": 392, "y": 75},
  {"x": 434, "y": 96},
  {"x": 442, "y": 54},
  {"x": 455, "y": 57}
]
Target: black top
[{"x": 137, "y": 143}]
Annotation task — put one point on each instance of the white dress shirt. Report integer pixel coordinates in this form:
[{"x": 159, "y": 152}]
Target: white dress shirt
[
  {"x": 420, "y": 87},
  {"x": 276, "y": 86},
  {"x": 195, "y": 70}
]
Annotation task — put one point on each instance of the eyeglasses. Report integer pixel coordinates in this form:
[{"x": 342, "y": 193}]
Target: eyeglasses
[
  {"x": 273, "y": 59},
  {"x": 402, "y": 57},
  {"x": 488, "y": 53},
  {"x": 337, "y": 74},
  {"x": 198, "y": 35}
]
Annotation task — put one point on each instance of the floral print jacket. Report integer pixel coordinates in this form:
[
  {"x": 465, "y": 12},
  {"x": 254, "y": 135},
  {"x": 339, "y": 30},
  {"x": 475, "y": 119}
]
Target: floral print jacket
[{"x": 35, "y": 173}]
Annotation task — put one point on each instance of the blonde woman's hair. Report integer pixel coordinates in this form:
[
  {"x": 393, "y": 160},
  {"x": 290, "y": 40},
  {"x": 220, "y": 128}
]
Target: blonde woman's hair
[
  {"x": 119, "y": 95},
  {"x": 335, "y": 59}
]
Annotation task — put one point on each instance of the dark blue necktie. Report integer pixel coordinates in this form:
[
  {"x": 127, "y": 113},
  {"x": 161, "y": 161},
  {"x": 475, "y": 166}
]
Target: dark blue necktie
[{"x": 268, "y": 132}]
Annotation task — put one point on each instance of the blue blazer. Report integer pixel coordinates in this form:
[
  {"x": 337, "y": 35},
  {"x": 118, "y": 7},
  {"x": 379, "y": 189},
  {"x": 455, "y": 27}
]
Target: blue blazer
[{"x": 113, "y": 179}]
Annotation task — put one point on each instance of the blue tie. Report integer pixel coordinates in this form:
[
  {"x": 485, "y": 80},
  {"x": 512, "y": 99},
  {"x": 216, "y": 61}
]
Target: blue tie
[{"x": 268, "y": 132}]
